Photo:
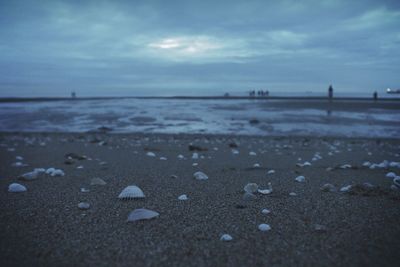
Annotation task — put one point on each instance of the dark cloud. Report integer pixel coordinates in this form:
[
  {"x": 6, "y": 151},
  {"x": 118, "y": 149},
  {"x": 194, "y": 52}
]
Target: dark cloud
[{"x": 196, "y": 47}]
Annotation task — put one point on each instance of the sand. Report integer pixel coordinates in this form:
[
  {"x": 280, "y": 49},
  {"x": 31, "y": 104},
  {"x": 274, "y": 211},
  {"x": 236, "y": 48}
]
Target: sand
[{"x": 45, "y": 227}]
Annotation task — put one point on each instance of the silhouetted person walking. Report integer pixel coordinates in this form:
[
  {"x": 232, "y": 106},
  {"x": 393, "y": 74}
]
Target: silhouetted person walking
[
  {"x": 375, "y": 96},
  {"x": 330, "y": 92}
]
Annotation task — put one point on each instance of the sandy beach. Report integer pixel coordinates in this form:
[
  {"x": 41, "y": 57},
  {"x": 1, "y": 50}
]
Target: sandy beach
[{"x": 44, "y": 226}]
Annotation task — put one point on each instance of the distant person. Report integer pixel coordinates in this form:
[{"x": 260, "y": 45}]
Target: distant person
[
  {"x": 266, "y": 93},
  {"x": 73, "y": 95},
  {"x": 330, "y": 92},
  {"x": 375, "y": 96}
]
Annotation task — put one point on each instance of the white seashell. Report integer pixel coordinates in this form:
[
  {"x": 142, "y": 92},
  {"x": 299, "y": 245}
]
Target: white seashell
[
  {"x": 300, "y": 179},
  {"x": 251, "y": 188},
  {"x": 264, "y": 227},
  {"x": 80, "y": 167},
  {"x": 195, "y": 164},
  {"x": 345, "y": 166},
  {"x": 200, "y": 176},
  {"x": 83, "y": 205},
  {"x": 183, "y": 197},
  {"x": 142, "y": 214},
  {"x": 265, "y": 211},
  {"x": 29, "y": 176},
  {"x": 252, "y": 153},
  {"x": 57, "y": 172},
  {"x": 97, "y": 181},
  {"x": 345, "y": 188},
  {"x": 19, "y": 164},
  {"x": 292, "y": 194},
  {"x": 305, "y": 164},
  {"x": 390, "y": 175},
  {"x": 256, "y": 165},
  {"x": 226, "y": 237},
  {"x": 131, "y": 191},
  {"x": 163, "y": 158},
  {"x": 271, "y": 172},
  {"x": 19, "y": 158},
  {"x": 181, "y": 157},
  {"x": 195, "y": 155},
  {"x": 266, "y": 191},
  {"x": 366, "y": 164},
  {"x": 150, "y": 154},
  {"x": 235, "y": 151},
  {"x": 16, "y": 188},
  {"x": 328, "y": 188},
  {"x": 84, "y": 190}
]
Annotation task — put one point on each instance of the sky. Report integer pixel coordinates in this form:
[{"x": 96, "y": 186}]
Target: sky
[{"x": 133, "y": 48}]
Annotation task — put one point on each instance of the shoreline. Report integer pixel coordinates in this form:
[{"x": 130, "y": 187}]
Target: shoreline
[{"x": 310, "y": 98}]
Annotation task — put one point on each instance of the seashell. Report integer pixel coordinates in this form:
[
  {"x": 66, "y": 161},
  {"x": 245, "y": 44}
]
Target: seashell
[
  {"x": 163, "y": 158},
  {"x": 80, "y": 167},
  {"x": 305, "y": 164},
  {"x": 195, "y": 164},
  {"x": 271, "y": 172},
  {"x": 97, "y": 181},
  {"x": 345, "y": 188},
  {"x": 29, "y": 176},
  {"x": 328, "y": 188},
  {"x": 265, "y": 211},
  {"x": 84, "y": 190},
  {"x": 390, "y": 175},
  {"x": 252, "y": 153},
  {"x": 181, "y": 157},
  {"x": 57, "y": 172},
  {"x": 249, "y": 196},
  {"x": 150, "y": 154},
  {"x": 264, "y": 227},
  {"x": 173, "y": 176},
  {"x": 19, "y": 164},
  {"x": 366, "y": 164},
  {"x": 256, "y": 165},
  {"x": 300, "y": 179},
  {"x": 83, "y": 205},
  {"x": 235, "y": 151},
  {"x": 251, "y": 188},
  {"x": 142, "y": 214},
  {"x": 183, "y": 197},
  {"x": 226, "y": 237},
  {"x": 131, "y": 191},
  {"x": 266, "y": 191},
  {"x": 200, "y": 176},
  {"x": 345, "y": 166},
  {"x": 195, "y": 155},
  {"x": 16, "y": 188},
  {"x": 19, "y": 158},
  {"x": 292, "y": 194}
]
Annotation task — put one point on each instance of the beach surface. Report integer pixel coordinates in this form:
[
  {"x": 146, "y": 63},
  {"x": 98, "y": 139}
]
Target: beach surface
[{"x": 44, "y": 226}]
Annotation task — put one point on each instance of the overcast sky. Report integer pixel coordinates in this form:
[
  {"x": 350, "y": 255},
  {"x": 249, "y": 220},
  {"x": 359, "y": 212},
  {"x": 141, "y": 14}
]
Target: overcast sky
[{"x": 49, "y": 48}]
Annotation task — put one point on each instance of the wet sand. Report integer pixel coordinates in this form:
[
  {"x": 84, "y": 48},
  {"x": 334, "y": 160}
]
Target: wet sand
[{"x": 44, "y": 227}]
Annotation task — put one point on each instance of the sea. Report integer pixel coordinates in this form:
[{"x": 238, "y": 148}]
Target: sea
[{"x": 256, "y": 117}]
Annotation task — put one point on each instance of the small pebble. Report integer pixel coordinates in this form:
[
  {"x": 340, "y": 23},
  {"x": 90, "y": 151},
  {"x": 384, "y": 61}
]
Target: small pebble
[
  {"x": 264, "y": 227},
  {"x": 83, "y": 205},
  {"x": 183, "y": 197}
]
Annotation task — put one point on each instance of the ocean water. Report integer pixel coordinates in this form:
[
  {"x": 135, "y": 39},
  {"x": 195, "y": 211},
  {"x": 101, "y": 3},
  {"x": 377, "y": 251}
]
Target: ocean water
[{"x": 238, "y": 117}]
